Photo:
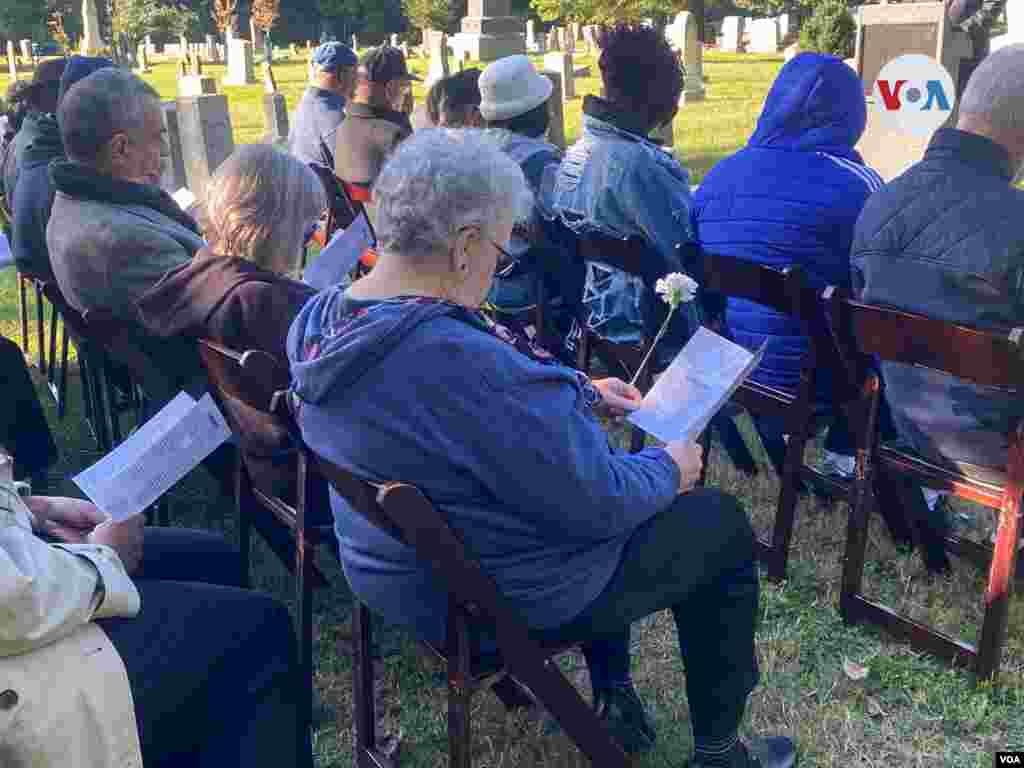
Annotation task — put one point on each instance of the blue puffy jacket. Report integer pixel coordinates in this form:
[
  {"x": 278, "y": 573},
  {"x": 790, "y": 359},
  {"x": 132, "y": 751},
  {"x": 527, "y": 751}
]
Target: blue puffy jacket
[{"x": 791, "y": 197}]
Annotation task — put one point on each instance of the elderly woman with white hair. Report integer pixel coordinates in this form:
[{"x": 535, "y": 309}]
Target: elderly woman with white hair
[{"x": 400, "y": 377}]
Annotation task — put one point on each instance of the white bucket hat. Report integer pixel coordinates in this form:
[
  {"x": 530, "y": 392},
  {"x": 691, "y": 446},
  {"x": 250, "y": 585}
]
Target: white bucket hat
[{"x": 511, "y": 87}]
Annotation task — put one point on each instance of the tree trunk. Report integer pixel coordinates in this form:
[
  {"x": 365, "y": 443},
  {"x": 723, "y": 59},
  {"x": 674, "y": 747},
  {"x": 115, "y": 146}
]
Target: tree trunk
[{"x": 268, "y": 48}]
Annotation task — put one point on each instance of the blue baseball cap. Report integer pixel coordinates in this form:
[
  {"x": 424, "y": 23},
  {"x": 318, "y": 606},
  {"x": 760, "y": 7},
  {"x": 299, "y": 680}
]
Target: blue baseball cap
[{"x": 334, "y": 55}]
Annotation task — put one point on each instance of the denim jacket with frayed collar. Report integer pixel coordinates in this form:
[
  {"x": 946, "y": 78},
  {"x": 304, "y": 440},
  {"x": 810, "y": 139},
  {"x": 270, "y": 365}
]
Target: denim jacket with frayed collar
[{"x": 617, "y": 183}]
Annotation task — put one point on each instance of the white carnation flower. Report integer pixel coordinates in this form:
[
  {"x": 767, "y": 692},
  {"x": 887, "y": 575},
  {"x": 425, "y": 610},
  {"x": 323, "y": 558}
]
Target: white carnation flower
[{"x": 676, "y": 288}]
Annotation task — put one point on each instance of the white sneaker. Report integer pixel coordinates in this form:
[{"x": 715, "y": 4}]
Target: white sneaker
[{"x": 837, "y": 464}]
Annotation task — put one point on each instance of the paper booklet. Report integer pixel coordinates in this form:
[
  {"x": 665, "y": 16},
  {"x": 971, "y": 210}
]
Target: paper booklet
[
  {"x": 694, "y": 388},
  {"x": 339, "y": 256},
  {"x": 184, "y": 198},
  {"x": 6, "y": 257},
  {"x": 157, "y": 455}
]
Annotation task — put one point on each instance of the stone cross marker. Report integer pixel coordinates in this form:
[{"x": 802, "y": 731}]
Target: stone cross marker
[
  {"x": 764, "y": 36},
  {"x": 732, "y": 33},
  {"x": 12, "y": 60},
  {"x": 240, "y": 66},
  {"x": 682, "y": 33},
  {"x": 91, "y": 40},
  {"x": 489, "y": 31},
  {"x": 556, "y": 113},
  {"x": 561, "y": 62},
  {"x": 438, "y": 47},
  {"x": 204, "y": 123}
]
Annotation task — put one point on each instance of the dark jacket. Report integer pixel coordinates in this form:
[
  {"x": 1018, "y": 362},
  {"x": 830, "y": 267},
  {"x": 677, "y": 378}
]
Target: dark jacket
[
  {"x": 975, "y": 17},
  {"x": 35, "y": 193},
  {"x": 365, "y": 138},
  {"x": 30, "y": 130},
  {"x": 946, "y": 239},
  {"x": 233, "y": 302},
  {"x": 791, "y": 197},
  {"x": 505, "y": 446},
  {"x": 314, "y": 126}
]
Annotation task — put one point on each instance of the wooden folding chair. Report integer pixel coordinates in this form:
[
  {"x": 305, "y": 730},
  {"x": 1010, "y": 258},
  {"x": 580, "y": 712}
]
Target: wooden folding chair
[
  {"x": 787, "y": 292},
  {"x": 252, "y": 378},
  {"x": 404, "y": 513},
  {"x": 28, "y": 281},
  {"x": 983, "y": 358}
]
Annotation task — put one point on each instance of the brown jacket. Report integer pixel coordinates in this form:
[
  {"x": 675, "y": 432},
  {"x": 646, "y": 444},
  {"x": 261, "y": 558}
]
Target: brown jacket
[{"x": 366, "y": 137}]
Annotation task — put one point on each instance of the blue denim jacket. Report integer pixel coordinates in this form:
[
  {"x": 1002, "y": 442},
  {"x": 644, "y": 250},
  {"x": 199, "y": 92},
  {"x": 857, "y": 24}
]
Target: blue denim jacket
[{"x": 617, "y": 183}]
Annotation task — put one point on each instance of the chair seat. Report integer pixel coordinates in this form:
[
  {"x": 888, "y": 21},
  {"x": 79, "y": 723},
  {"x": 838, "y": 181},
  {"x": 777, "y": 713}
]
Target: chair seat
[{"x": 976, "y": 483}]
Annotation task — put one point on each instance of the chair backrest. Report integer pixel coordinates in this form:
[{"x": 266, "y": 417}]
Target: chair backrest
[
  {"x": 253, "y": 377},
  {"x": 985, "y": 358},
  {"x": 627, "y": 255},
  {"x": 341, "y": 211}
]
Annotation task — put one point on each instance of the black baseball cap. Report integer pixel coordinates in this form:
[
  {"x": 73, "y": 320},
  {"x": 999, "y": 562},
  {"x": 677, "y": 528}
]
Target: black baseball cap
[{"x": 384, "y": 64}]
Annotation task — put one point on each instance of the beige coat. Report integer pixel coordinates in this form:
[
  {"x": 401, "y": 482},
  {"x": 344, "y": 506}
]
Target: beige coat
[{"x": 65, "y": 701}]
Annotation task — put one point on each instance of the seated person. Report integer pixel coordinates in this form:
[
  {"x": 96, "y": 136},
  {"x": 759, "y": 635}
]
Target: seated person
[
  {"x": 401, "y": 377},
  {"x": 15, "y": 112},
  {"x": 322, "y": 106},
  {"x": 376, "y": 120},
  {"x": 205, "y": 674},
  {"x": 35, "y": 189},
  {"x": 23, "y": 427},
  {"x": 113, "y": 232},
  {"x": 237, "y": 292},
  {"x": 454, "y": 101},
  {"x": 946, "y": 239},
  {"x": 515, "y": 102},
  {"x": 791, "y": 197},
  {"x": 616, "y": 183}
]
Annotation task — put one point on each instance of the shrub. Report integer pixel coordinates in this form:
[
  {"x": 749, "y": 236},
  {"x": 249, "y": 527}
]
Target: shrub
[{"x": 831, "y": 29}]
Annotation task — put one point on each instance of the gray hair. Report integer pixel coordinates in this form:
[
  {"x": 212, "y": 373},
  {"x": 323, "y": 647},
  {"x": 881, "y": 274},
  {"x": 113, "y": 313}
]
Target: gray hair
[
  {"x": 995, "y": 92},
  {"x": 440, "y": 180},
  {"x": 259, "y": 204},
  {"x": 97, "y": 107}
]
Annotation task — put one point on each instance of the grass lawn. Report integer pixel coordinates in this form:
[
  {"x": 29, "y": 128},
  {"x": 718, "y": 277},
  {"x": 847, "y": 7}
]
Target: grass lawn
[{"x": 908, "y": 711}]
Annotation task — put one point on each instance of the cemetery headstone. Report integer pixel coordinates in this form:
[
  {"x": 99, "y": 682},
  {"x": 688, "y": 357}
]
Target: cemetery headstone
[
  {"x": 764, "y": 36},
  {"x": 682, "y": 33},
  {"x": 256, "y": 35},
  {"x": 204, "y": 123},
  {"x": 212, "y": 52},
  {"x": 552, "y": 41},
  {"x": 784, "y": 25},
  {"x": 438, "y": 52},
  {"x": 556, "y": 111},
  {"x": 92, "y": 43},
  {"x": 275, "y": 109},
  {"x": 732, "y": 33},
  {"x": 355, "y": 43},
  {"x": 172, "y": 163},
  {"x": 26, "y": 51},
  {"x": 568, "y": 39},
  {"x": 489, "y": 31},
  {"x": 531, "y": 35},
  {"x": 240, "y": 66},
  {"x": 12, "y": 60},
  {"x": 195, "y": 85},
  {"x": 394, "y": 41},
  {"x": 142, "y": 56},
  {"x": 561, "y": 62}
]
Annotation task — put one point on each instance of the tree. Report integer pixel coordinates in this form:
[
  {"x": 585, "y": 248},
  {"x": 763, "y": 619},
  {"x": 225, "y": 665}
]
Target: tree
[
  {"x": 132, "y": 20},
  {"x": 612, "y": 11},
  {"x": 264, "y": 14},
  {"x": 18, "y": 18},
  {"x": 831, "y": 29},
  {"x": 434, "y": 14},
  {"x": 775, "y": 7},
  {"x": 224, "y": 15}
]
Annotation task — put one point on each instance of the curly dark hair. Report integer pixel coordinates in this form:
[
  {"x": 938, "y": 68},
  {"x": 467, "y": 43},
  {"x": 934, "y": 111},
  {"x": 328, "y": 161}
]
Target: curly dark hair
[
  {"x": 640, "y": 71},
  {"x": 452, "y": 96}
]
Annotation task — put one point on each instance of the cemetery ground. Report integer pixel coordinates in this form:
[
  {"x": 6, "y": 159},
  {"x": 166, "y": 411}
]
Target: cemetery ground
[{"x": 848, "y": 695}]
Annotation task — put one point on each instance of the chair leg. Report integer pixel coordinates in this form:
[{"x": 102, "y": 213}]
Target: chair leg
[
  {"x": 23, "y": 313},
  {"x": 362, "y": 684},
  {"x": 244, "y": 520},
  {"x": 856, "y": 539},
  {"x": 512, "y": 694},
  {"x": 40, "y": 328},
  {"x": 459, "y": 689},
  {"x": 1000, "y": 587},
  {"x": 304, "y": 602},
  {"x": 785, "y": 513},
  {"x": 51, "y": 368},
  {"x": 62, "y": 380},
  {"x": 85, "y": 374}
]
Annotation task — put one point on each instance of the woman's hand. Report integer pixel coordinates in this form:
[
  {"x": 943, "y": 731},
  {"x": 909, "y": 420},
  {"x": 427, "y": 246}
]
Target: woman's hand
[
  {"x": 69, "y": 520},
  {"x": 125, "y": 538},
  {"x": 689, "y": 458},
  {"x": 618, "y": 397}
]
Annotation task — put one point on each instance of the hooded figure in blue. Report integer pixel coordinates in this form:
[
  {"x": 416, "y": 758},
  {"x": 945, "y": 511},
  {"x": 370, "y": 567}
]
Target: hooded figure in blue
[{"x": 791, "y": 197}]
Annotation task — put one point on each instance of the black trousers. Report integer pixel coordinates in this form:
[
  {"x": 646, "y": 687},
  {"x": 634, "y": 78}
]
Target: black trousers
[
  {"x": 23, "y": 428},
  {"x": 213, "y": 668},
  {"x": 696, "y": 558}
]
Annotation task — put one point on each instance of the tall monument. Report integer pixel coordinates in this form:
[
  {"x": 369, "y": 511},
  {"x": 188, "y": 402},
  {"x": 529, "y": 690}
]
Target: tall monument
[
  {"x": 490, "y": 31},
  {"x": 92, "y": 43}
]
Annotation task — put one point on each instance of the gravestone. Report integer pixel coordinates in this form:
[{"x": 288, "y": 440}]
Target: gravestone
[
  {"x": 682, "y": 33},
  {"x": 222, "y": 52},
  {"x": 142, "y": 56},
  {"x": 26, "y": 51},
  {"x": 92, "y": 43},
  {"x": 355, "y": 43},
  {"x": 240, "y": 66},
  {"x": 171, "y": 50},
  {"x": 464, "y": 60},
  {"x": 552, "y": 41},
  {"x": 531, "y": 35},
  {"x": 204, "y": 124},
  {"x": 785, "y": 25},
  {"x": 194, "y": 82},
  {"x": 183, "y": 47},
  {"x": 490, "y": 31},
  {"x": 438, "y": 47},
  {"x": 150, "y": 47},
  {"x": 275, "y": 109},
  {"x": 568, "y": 40},
  {"x": 561, "y": 62},
  {"x": 12, "y": 60},
  {"x": 172, "y": 163},
  {"x": 256, "y": 35},
  {"x": 732, "y": 34},
  {"x": 556, "y": 112},
  {"x": 1015, "y": 27},
  {"x": 764, "y": 36},
  {"x": 212, "y": 51},
  {"x": 394, "y": 41}
]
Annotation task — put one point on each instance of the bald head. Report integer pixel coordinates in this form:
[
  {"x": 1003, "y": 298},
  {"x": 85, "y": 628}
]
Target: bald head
[{"x": 993, "y": 102}]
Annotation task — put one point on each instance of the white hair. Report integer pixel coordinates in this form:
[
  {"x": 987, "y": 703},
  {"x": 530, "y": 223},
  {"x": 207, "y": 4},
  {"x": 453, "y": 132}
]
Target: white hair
[
  {"x": 995, "y": 91},
  {"x": 441, "y": 180}
]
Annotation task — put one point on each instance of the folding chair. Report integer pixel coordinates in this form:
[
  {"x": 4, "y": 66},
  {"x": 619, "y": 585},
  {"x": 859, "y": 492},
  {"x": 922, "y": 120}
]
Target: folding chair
[
  {"x": 985, "y": 358},
  {"x": 404, "y": 513},
  {"x": 787, "y": 292},
  {"x": 26, "y": 281},
  {"x": 252, "y": 378}
]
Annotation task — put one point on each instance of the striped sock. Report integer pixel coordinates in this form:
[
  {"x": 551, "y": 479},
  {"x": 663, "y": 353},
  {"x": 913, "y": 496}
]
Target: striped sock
[{"x": 722, "y": 753}]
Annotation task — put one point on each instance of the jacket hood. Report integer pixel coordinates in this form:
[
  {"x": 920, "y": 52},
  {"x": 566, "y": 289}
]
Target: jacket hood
[
  {"x": 816, "y": 104},
  {"x": 79, "y": 68},
  {"x": 185, "y": 298},
  {"x": 46, "y": 144},
  {"x": 335, "y": 342}
]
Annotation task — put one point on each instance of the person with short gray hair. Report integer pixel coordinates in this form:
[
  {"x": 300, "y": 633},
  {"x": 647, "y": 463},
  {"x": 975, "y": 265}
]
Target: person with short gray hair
[
  {"x": 946, "y": 239},
  {"x": 401, "y": 377},
  {"x": 113, "y": 231}
]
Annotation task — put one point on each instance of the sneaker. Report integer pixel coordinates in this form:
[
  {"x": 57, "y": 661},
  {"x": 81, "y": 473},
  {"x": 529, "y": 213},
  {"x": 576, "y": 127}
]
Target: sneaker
[
  {"x": 761, "y": 752},
  {"x": 837, "y": 465},
  {"x": 624, "y": 715}
]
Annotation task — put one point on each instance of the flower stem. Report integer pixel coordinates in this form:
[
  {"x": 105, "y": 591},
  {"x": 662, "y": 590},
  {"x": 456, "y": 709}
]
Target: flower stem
[{"x": 661, "y": 332}]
